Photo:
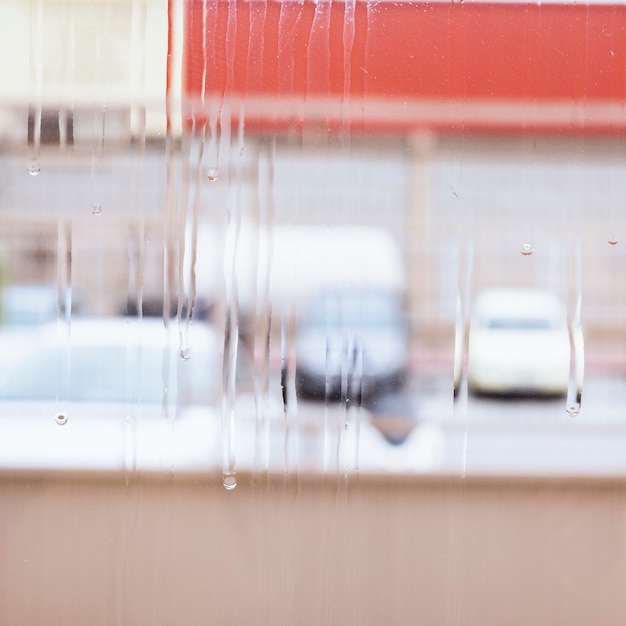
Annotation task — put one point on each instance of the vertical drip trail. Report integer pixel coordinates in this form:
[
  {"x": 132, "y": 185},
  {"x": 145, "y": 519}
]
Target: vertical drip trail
[
  {"x": 613, "y": 231},
  {"x": 232, "y": 330},
  {"x": 577, "y": 359},
  {"x": 318, "y": 69},
  {"x": 98, "y": 121},
  {"x": 262, "y": 347},
  {"x": 231, "y": 334},
  {"x": 189, "y": 226},
  {"x": 348, "y": 43},
  {"x": 256, "y": 37},
  {"x": 191, "y": 250},
  {"x": 136, "y": 247},
  {"x": 463, "y": 305},
  {"x": 318, "y": 62},
  {"x": 69, "y": 80},
  {"x": 527, "y": 217},
  {"x": 36, "y": 83},
  {"x": 348, "y": 351},
  {"x": 262, "y": 335},
  {"x": 138, "y": 234},
  {"x": 211, "y": 110},
  {"x": 97, "y": 152},
  {"x": 179, "y": 235},
  {"x": 284, "y": 381},
  {"x": 288, "y": 378},
  {"x": 219, "y": 113},
  {"x": 213, "y": 149},
  {"x": 461, "y": 383},
  {"x": 288, "y": 24},
  {"x": 329, "y": 425},
  {"x": 64, "y": 313},
  {"x": 170, "y": 255}
]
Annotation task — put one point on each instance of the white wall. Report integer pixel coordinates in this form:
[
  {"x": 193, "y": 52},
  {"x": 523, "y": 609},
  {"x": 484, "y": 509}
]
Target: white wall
[{"x": 68, "y": 53}]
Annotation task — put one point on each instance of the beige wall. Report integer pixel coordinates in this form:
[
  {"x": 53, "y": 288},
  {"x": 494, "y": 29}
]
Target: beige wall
[{"x": 173, "y": 550}]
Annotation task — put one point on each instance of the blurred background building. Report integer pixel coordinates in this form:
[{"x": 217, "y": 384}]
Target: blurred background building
[{"x": 462, "y": 140}]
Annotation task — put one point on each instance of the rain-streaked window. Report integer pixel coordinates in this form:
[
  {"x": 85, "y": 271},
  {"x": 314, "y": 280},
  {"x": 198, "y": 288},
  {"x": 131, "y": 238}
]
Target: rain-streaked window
[{"x": 259, "y": 243}]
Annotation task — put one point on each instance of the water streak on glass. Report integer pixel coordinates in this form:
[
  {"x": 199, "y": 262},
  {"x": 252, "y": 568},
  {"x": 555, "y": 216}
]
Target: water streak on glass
[
  {"x": 190, "y": 247},
  {"x": 134, "y": 366},
  {"x": 232, "y": 309},
  {"x": 36, "y": 83},
  {"x": 460, "y": 380},
  {"x": 138, "y": 137},
  {"x": 348, "y": 42},
  {"x": 66, "y": 109},
  {"x": 137, "y": 235},
  {"x": 190, "y": 229},
  {"x": 98, "y": 123},
  {"x": 179, "y": 237},
  {"x": 136, "y": 254},
  {"x": 318, "y": 56},
  {"x": 263, "y": 338},
  {"x": 64, "y": 313},
  {"x": 285, "y": 381},
  {"x": 577, "y": 348},
  {"x": 352, "y": 416},
  {"x": 214, "y": 144},
  {"x": 288, "y": 23},
  {"x": 463, "y": 307},
  {"x": 171, "y": 228}
]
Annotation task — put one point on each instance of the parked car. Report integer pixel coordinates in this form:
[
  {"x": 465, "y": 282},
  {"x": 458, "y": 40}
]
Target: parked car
[
  {"x": 28, "y": 304},
  {"x": 111, "y": 394},
  {"x": 518, "y": 343},
  {"x": 352, "y": 345},
  {"x": 112, "y": 361}
]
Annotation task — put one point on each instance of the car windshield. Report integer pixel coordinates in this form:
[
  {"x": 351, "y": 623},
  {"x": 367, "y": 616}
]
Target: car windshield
[
  {"x": 365, "y": 311},
  {"x": 504, "y": 323},
  {"x": 88, "y": 374}
]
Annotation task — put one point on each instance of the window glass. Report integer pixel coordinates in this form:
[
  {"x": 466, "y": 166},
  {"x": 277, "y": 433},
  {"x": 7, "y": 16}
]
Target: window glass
[
  {"x": 223, "y": 169},
  {"x": 312, "y": 311}
]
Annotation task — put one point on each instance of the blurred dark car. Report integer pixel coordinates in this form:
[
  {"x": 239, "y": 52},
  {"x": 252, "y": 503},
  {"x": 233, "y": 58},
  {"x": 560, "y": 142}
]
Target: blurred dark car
[{"x": 352, "y": 346}]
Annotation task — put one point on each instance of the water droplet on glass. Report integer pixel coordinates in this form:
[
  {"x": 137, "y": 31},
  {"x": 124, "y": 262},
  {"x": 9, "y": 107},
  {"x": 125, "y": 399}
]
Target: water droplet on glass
[
  {"x": 96, "y": 209},
  {"x": 212, "y": 173},
  {"x": 34, "y": 168},
  {"x": 230, "y": 481},
  {"x": 60, "y": 418},
  {"x": 527, "y": 249},
  {"x": 185, "y": 353},
  {"x": 573, "y": 408},
  {"x": 612, "y": 239}
]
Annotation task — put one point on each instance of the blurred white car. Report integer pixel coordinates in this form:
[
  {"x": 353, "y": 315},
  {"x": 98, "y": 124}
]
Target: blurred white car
[
  {"x": 89, "y": 394},
  {"x": 28, "y": 304},
  {"x": 518, "y": 343}
]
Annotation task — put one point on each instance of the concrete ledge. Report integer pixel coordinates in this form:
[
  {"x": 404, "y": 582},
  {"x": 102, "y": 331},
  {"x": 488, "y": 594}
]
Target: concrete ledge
[{"x": 162, "y": 548}]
